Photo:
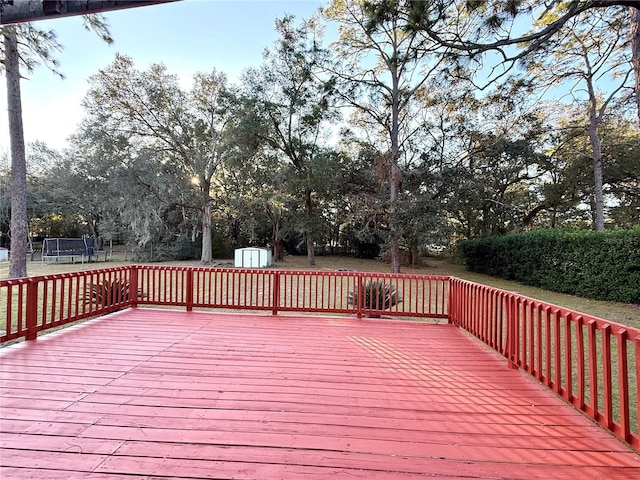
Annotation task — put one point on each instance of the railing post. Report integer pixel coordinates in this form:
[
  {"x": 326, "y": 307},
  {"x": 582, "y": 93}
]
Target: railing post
[
  {"x": 32, "y": 309},
  {"x": 133, "y": 286},
  {"x": 275, "y": 298},
  {"x": 189, "y": 290},
  {"x": 451, "y": 312}
]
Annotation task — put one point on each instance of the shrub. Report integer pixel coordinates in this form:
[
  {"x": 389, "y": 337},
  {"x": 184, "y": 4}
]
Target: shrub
[
  {"x": 376, "y": 295},
  {"x": 599, "y": 265}
]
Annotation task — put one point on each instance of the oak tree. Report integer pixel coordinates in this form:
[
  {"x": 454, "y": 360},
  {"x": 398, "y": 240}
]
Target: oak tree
[{"x": 185, "y": 128}]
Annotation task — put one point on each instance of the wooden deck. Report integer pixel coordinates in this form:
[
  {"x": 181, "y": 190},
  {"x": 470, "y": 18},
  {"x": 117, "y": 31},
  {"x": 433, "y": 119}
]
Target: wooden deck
[{"x": 165, "y": 394}]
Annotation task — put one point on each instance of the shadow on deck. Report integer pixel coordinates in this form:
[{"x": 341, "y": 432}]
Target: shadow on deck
[{"x": 193, "y": 395}]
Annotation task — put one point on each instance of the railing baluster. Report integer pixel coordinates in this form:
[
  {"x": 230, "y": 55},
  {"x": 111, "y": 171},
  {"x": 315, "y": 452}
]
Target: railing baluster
[
  {"x": 557, "y": 352},
  {"x": 532, "y": 357},
  {"x": 623, "y": 384},
  {"x": 189, "y": 290},
  {"x": 69, "y": 288},
  {"x": 9, "y": 317},
  {"x": 581, "y": 370},
  {"x": 134, "y": 286},
  {"x": 593, "y": 368},
  {"x": 549, "y": 366},
  {"x": 276, "y": 293},
  {"x": 22, "y": 321},
  {"x": 606, "y": 376},
  {"x": 359, "y": 296},
  {"x": 522, "y": 307},
  {"x": 568, "y": 360}
]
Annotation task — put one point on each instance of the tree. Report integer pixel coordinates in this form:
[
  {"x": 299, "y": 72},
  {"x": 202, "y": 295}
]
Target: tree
[
  {"x": 255, "y": 186},
  {"x": 621, "y": 151},
  {"x": 359, "y": 207},
  {"x": 635, "y": 52},
  {"x": 295, "y": 104},
  {"x": 91, "y": 164},
  {"x": 496, "y": 178},
  {"x": 52, "y": 205},
  {"x": 19, "y": 229},
  {"x": 592, "y": 48},
  {"x": 477, "y": 27},
  {"x": 186, "y": 129},
  {"x": 382, "y": 64},
  {"x": 570, "y": 190},
  {"x": 27, "y": 46}
]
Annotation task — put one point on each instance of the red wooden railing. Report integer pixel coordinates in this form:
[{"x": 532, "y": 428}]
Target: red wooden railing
[
  {"x": 36, "y": 304},
  {"x": 590, "y": 362},
  {"x": 289, "y": 291}
]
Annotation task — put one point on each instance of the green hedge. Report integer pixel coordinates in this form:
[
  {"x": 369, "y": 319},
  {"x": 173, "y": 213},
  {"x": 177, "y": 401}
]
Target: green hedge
[{"x": 599, "y": 265}]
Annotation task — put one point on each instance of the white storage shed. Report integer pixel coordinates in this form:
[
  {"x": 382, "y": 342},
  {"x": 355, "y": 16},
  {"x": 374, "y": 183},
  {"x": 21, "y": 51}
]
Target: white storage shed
[{"x": 252, "y": 257}]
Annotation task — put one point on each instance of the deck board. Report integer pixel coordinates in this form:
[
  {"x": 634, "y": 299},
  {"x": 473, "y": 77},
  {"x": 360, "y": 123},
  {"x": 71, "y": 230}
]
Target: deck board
[{"x": 197, "y": 395}]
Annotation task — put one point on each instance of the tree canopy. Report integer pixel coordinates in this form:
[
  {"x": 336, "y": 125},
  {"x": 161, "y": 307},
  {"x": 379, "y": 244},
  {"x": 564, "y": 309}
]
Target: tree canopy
[{"x": 379, "y": 144}]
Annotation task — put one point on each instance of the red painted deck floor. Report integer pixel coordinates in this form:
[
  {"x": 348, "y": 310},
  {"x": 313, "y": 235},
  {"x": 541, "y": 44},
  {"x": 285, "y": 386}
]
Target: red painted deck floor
[{"x": 164, "y": 394}]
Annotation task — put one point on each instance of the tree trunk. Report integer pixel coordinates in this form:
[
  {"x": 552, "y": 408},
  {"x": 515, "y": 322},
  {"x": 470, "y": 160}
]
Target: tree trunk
[
  {"x": 19, "y": 229},
  {"x": 279, "y": 249},
  {"x": 308, "y": 206},
  {"x": 635, "y": 52},
  {"x": 278, "y": 243},
  {"x": 98, "y": 242},
  {"x": 394, "y": 182},
  {"x": 276, "y": 226},
  {"x": 394, "y": 187},
  {"x": 414, "y": 255},
  {"x": 596, "y": 146},
  {"x": 598, "y": 176},
  {"x": 207, "y": 256}
]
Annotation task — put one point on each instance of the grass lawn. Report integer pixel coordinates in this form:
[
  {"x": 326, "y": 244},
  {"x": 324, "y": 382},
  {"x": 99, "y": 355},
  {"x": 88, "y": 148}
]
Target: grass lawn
[{"x": 617, "y": 312}]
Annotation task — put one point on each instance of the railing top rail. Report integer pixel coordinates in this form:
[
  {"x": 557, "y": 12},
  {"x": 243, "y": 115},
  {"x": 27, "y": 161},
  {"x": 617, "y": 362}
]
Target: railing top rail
[
  {"x": 15, "y": 281},
  {"x": 553, "y": 308},
  {"x": 227, "y": 270},
  {"x": 337, "y": 273},
  {"x": 53, "y": 276}
]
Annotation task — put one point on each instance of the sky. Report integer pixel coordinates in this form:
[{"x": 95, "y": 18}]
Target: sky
[{"x": 187, "y": 36}]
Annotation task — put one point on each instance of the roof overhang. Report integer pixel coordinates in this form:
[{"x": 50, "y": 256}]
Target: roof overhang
[{"x": 17, "y": 11}]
